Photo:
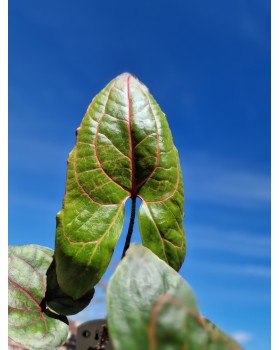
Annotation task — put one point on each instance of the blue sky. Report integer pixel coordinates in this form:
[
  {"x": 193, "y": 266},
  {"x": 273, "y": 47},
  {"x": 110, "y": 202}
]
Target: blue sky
[{"x": 208, "y": 66}]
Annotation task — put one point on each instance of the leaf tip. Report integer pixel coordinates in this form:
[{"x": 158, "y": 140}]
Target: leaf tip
[{"x": 126, "y": 75}]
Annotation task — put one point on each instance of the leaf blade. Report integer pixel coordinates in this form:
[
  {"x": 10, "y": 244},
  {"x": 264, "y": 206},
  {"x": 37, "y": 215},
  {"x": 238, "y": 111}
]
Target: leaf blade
[
  {"x": 123, "y": 149},
  {"x": 29, "y": 325},
  {"x": 163, "y": 187},
  {"x": 151, "y": 307},
  {"x": 58, "y": 301}
]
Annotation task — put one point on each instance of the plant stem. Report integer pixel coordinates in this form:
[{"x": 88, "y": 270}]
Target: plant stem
[{"x": 131, "y": 225}]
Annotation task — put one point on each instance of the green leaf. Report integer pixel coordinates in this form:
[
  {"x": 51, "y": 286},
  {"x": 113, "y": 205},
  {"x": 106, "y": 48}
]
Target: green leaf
[
  {"x": 151, "y": 307},
  {"x": 30, "y": 324},
  {"x": 124, "y": 148},
  {"x": 218, "y": 335},
  {"x": 60, "y": 302}
]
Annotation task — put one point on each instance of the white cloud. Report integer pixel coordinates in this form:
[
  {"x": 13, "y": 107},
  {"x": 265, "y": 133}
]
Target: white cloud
[
  {"x": 235, "y": 242},
  {"x": 233, "y": 269},
  {"x": 242, "y": 336},
  {"x": 225, "y": 182}
]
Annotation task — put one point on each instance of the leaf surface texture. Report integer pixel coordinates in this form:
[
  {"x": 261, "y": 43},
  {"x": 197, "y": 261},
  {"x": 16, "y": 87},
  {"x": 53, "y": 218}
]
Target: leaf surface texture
[
  {"x": 124, "y": 148},
  {"x": 151, "y": 307}
]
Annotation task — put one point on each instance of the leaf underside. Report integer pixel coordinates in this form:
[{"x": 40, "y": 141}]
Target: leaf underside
[
  {"x": 151, "y": 307},
  {"x": 60, "y": 302},
  {"x": 124, "y": 148},
  {"x": 30, "y": 325}
]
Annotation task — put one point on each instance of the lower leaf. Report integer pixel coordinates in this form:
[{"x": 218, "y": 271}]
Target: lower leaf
[
  {"x": 151, "y": 307},
  {"x": 30, "y": 324}
]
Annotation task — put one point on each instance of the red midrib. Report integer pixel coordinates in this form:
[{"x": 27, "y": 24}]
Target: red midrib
[
  {"x": 36, "y": 302},
  {"x": 132, "y": 151},
  {"x": 24, "y": 291}
]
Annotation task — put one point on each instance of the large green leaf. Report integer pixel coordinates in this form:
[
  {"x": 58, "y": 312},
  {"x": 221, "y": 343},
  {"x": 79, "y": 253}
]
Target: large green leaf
[
  {"x": 151, "y": 307},
  {"x": 124, "y": 148},
  {"x": 30, "y": 324}
]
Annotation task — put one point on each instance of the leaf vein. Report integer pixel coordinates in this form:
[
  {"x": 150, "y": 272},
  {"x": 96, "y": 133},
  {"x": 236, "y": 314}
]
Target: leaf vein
[
  {"x": 118, "y": 150},
  {"x": 95, "y": 142},
  {"x": 158, "y": 144}
]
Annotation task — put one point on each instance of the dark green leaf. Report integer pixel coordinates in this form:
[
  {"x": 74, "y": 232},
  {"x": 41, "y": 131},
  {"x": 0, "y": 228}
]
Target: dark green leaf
[
  {"x": 124, "y": 148},
  {"x": 151, "y": 307},
  {"x": 29, "y": 323},
  {"x": 60, "y": 302}
]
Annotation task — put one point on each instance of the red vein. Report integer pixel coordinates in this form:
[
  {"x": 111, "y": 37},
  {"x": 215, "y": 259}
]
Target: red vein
[
  {"x": 158, "y": 231},
  {"x": 156, "y": 308},
  {"x": 29, "y": 323},
  {"x": 132, "y": 151},
  {"x": 157, "y": 159},
  {"x": 163, "y": 239},
  {"x": 142, "y": 108},
  {"x": 24, "y": 291},
  {"x": 33, "y": 268},
  {"x": 119, "y": 119},
  {"x": 163, "y": 299},
  {"x": 96, "y": 241},
  {"x": 104, "y": 234},
  {"x": 158, "y": 144},
  {"x": 95, "y": 141},
  {"x": 116, "y": 88},
  {"x": 100, "y": 166},
  {"x": 75, "y": 171},
  {"x": 17, "y": 343},
  {"x": 83, "y": 190},
  {"x": 118, "y": 150},
  {"x": 142, "y": 140},
  {"x": 176, "y": 246},
  {"x": 167, "y": 197},
  {"x": 174, "y": 216},
  {"x": 22, "y": 309}
]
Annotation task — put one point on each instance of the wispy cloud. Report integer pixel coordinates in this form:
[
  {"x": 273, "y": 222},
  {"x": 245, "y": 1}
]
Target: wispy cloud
[
  {"x": 235, "y": 242},
  {"x": 214, "y": 180},
  {"x": 242, "y": 336},
  {"x": 249, "y": 270}
]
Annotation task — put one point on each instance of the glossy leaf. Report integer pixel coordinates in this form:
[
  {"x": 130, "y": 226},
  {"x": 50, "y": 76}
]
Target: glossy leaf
[
  {"x": 124, "y": 148},
  {"x": 30, "y": 324},
  {"x": 151, "y": 307}
]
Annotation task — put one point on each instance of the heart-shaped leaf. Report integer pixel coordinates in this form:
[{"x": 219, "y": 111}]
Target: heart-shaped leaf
[
  {"x": 151, "y": 307},
  {"x": 124, "y": 148},
  {"x": 30, "y": 324}
]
